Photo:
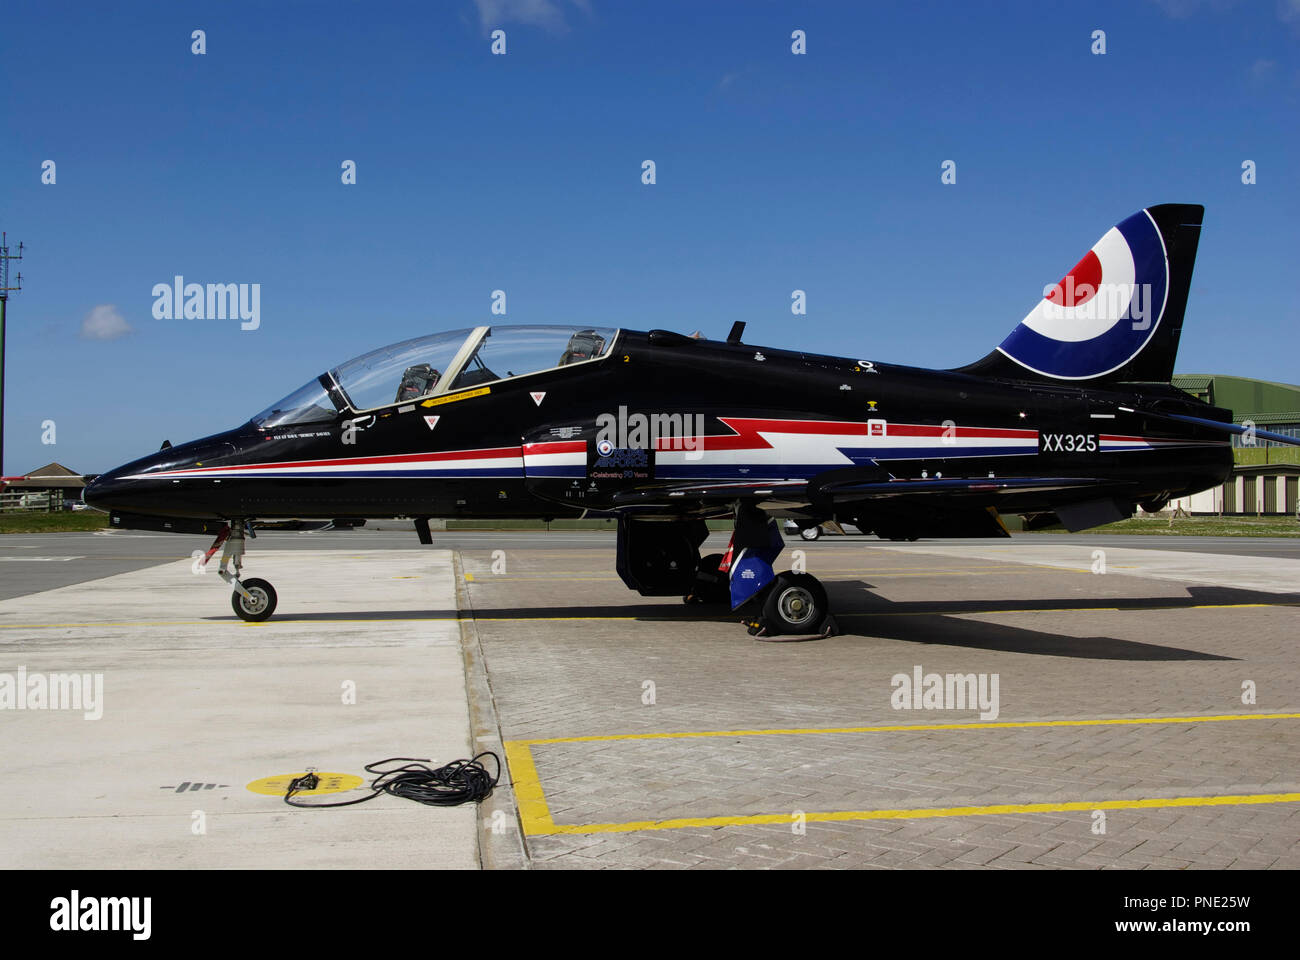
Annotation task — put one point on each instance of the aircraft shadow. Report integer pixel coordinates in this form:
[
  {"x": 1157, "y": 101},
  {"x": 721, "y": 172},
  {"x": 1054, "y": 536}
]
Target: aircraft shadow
[
  {"x": 935, "y": 621},
  {"x": 860, "y": 613}
]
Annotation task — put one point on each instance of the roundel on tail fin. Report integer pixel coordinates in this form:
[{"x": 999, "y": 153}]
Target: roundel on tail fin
[{"x": 1103, "y": 312}]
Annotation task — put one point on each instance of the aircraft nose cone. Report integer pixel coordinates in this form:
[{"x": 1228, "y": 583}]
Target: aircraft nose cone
[{"x": 103, "y": 492}]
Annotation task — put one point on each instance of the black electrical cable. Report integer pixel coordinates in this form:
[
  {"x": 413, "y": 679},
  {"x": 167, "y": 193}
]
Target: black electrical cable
[{"x": 461, "y": 781}]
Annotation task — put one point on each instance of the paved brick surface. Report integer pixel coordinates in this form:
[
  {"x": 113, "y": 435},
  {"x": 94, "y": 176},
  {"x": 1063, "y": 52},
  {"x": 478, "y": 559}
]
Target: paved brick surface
[{"x": 569, "y": 653}]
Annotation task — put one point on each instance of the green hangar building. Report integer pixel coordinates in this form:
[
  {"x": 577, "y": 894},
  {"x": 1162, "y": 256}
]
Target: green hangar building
[{"x": 1266, "y": 476}]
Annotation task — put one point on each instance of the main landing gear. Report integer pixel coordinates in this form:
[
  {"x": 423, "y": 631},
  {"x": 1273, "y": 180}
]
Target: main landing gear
[
  {"x": 254, "y": 599},
  {"x": 660, "y": 558},
  {"x": 788, "y": 604},
  {"x": 794, "y": 603}
]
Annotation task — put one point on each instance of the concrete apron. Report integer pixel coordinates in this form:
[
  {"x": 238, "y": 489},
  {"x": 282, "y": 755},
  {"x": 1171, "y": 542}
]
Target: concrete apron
[
  {"x": 1271, "y": 574},
  {"x": 194, "y": 696}
]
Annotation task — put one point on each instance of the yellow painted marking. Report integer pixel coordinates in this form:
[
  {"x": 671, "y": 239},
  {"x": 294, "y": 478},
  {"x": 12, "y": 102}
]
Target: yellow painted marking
[
  {"x": 453, "y": 397},
  {"x": 917, "y": 727},
  {"x": 535, "y": 814},
  {"x": 533, "y": 811},
  {"x": 874, "y": 574},
  {"x": 532, "y": 619},
  {"x": 682, "y": 619},
  {"x": 495, "y": 577},
  {"x": 1143, "y": 609},
  {"x": 820, "y": 569},
  {"x": 227, "y": 621},
  {"x": 536, "y": 827},
  {"x": 329, "y": 783},
  {"x": 107, "y": 623}
]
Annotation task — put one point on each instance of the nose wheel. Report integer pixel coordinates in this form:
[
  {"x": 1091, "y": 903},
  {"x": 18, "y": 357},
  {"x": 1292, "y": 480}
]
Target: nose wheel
[
  {"x": 254, "y": 599},
  {"x": 257, "y": 603}
]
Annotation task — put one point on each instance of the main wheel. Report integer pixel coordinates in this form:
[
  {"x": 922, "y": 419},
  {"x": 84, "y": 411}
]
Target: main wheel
[
  {"x": 811, "y": 533},
  {"x": 796, "y": 603},
  {"x": 711, "y": 585},
  {"x": 260, "y": 607}
]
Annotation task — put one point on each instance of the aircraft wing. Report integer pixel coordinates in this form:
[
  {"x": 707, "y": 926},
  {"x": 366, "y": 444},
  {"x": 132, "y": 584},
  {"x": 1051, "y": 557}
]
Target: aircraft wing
[{"x": 798, "y": 492}]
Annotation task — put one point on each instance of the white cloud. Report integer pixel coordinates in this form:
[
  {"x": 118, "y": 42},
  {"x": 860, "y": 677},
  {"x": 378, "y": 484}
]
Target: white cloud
[
  {"x": 546, "y": 14},
  {"x": 104, "y": 323},
  {"x": 1288, "y": 11},
  {"x": 1263, "y": 69},
  {"x": 1182, "y": 9}
]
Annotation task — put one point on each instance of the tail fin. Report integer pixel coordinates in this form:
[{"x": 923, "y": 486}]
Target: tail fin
[{"x": 1117, "y": 315}]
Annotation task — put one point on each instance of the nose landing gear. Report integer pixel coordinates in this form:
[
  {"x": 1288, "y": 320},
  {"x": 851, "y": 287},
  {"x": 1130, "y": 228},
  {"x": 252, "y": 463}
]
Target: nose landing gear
[{"x": 254, "y": 599}]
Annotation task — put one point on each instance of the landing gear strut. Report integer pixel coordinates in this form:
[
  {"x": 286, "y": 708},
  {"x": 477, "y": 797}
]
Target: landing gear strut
[
  {"x": 254, "y": 599},
  {"x": 789, "y": 604}
]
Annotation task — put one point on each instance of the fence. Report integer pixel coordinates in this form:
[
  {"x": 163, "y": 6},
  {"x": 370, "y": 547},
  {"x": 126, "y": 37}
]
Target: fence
[{"x": 33, "y": 501}]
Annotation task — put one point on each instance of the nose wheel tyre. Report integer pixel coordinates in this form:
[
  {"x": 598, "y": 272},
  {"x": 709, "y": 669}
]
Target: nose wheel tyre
[
  {"x": 262, "y": 604},
  {"x": 796, "y": 604},
  {"x": 811, "y": 533}
]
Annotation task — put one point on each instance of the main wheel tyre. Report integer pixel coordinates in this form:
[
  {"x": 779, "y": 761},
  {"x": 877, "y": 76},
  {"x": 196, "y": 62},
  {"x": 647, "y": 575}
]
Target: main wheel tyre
[
  {"x": 796, "y": 603},
  {"x": 811, "y": 533},
  {"x": 711, "y": 585},
  {"x": 260, "y": 607}
]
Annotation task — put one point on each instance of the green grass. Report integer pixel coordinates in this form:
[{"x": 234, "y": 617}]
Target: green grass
[
  {"x": 60, "y": 522},
  {"x": 1200, "y": 527}
]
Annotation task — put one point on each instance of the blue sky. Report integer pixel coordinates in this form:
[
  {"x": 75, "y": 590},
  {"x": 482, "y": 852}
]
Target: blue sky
[{"x": 522, "y": 172}]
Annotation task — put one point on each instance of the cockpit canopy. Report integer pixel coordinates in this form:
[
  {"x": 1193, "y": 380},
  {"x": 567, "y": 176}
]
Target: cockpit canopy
[{"x": 441, "y": 363}]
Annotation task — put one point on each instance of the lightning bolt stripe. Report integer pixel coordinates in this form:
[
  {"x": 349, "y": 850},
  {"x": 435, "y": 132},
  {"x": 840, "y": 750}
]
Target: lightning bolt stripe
[{"x": 756, "y": 448}]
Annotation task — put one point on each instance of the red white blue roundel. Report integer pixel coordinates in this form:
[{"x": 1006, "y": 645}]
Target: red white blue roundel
[{"x": 1103, "y": 312}]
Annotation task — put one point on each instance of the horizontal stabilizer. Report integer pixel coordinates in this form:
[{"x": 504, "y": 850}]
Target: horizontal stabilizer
[{"x": 1237, "y": 429}]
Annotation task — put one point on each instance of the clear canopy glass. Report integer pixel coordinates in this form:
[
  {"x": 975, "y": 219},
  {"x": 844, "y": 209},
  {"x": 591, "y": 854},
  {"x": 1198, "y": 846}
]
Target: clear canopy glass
[
  {"x": 513, "y": 351},
  {"x": 400, "y": 372},
  {"x": 426, "y": 366},
  {"x": 310, "y": 403}
]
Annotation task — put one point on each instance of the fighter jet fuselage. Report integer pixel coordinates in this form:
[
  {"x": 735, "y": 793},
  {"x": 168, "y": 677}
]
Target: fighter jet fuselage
[{"x": 1072, "y": 418}]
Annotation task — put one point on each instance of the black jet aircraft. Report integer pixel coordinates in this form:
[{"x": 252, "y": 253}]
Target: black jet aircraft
[{"x": 1073, "y": 414}]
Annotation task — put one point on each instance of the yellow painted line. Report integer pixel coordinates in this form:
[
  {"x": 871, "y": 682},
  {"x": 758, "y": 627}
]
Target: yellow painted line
[
  {"x": 537, "y": 827},
  {"x": 535, "y": 814},
  {"x": 879, "y": 571},
  {"x": 533, "y": 811},
  {"x": 677, "y": 619},
  {"x": 502, "y": 577},
  {"x": 227, "y": 621},
  {"x": 919, "y": 727},
  {"x": 535, "y": 619},
  {"x": 1144, "y": 609},
  {"x": 128, "y": 623}
]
